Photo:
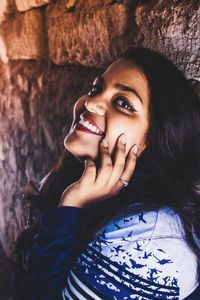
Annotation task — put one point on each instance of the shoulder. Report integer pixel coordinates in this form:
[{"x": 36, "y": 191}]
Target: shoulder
[
  {"x": 152, "y": 244},
  {"x": 162, "y": 222},
  {"x": 169, "y": 225}
]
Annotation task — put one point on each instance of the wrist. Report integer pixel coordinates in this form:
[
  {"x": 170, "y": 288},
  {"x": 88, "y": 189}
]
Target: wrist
[{"x": 69, "y": 202}]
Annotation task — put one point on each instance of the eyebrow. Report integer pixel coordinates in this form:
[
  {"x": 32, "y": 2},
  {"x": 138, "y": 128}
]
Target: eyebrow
[{"x": 120, "y": 86}]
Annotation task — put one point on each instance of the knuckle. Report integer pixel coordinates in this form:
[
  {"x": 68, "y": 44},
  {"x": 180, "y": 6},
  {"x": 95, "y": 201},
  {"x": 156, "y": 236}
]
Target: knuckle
[
  {"x": 120, "y": 164},
  {"x": 108, "y": 165},
  {"x": 91, "y": 165},
  {"x": 132, "y": 160},
  {"x": 105, "y": 149},
  {"x": 120, "y": 149},
  {"x": 106, "y": 154}
]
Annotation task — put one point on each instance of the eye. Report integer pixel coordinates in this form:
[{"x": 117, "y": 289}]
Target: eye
[
  {"x": 124, "y": 103},
  {"x": 94, "y": 90}
]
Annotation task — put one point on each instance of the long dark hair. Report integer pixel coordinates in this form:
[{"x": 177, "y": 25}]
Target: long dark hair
[{"x": 167, "y": 173}]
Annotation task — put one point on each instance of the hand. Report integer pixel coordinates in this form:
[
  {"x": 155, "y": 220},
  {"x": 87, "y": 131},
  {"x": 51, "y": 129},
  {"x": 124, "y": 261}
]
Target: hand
[{"x": 97, "y": 185}]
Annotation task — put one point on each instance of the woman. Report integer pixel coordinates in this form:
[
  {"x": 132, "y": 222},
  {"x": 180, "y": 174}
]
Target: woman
[{"x": 120, "y": 211}]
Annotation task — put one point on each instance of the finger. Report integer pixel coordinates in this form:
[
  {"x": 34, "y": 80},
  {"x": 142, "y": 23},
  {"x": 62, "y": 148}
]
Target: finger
[
  {"x": 129, "y": 167},
  {"x": 106, "y": 166},
  {"x": 119, "y": 160},
  {"x": 89, "y": 173}
]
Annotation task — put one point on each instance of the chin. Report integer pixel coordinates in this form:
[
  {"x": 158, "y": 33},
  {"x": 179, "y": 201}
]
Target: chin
[{"x": 79, "y": 151}]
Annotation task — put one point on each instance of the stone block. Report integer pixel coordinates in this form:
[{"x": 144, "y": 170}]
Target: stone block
[
  {"x": 91, "y": 34},
  {"x": 24, "y": 5},
  {"x": 3, "y": 8},
  {"x": 24, "y": 35},
  {"x": 6, "y": 7},
  {"x": 172, "y": 28},
  {"x": 3, "y": 50}
]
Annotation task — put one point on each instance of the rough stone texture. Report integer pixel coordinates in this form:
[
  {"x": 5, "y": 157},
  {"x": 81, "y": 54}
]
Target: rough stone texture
[
  {"x": 3, "y": 51},
  {"x": 24, "y": 5},
  {"x": 173, "y": 29},
  {"x": 91, "y": 34},
  {"x": 6, "y": 7},
  {"x": 95, "y": 33},
  {"x": 24, "y": 35}
]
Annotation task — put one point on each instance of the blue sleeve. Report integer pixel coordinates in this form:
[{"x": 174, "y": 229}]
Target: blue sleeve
[{"x": 53, "y": 252}]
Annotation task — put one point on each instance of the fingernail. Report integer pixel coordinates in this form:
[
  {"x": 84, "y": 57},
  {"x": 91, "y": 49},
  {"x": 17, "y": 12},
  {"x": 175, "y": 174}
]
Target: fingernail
[
  {"x": 105, "y": 143},
  {"x": 123, "y": 139},
  {"x": 135, "y": 149}
]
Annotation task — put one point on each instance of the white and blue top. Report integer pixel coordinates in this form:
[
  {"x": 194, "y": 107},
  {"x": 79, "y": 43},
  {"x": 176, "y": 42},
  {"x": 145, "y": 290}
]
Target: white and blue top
[{"x": 138, "y": 257}]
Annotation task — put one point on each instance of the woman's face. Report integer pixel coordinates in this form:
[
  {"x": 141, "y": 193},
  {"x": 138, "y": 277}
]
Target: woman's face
[{"x": 122, "y": 96}]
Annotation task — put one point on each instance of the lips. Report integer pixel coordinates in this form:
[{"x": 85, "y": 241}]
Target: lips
[
  {"x": 90, "y": 120},
  {"x": 81, "y": 127}
]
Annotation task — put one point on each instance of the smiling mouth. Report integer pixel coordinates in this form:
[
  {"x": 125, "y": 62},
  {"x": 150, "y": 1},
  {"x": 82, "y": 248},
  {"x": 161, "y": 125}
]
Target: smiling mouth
[
  {"x": 83, "y": 128},
  {"x": 88, "y": 125}
]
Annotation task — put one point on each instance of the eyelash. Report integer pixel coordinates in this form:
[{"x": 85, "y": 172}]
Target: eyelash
[{"x": 92, "y": 93}]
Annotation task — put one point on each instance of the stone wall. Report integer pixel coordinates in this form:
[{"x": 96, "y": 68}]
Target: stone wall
[{"x": 49, "y": 53}]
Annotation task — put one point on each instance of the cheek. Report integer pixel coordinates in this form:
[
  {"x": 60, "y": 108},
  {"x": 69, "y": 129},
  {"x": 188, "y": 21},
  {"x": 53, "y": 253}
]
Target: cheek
[{"x": 135, "y": 134}]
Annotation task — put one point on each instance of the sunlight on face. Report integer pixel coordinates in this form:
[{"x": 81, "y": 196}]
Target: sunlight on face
[{"x": 122, "y": 96}]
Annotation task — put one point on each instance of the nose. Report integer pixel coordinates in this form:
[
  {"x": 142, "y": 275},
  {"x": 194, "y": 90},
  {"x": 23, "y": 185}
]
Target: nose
[{"x": 95, "y": 107}]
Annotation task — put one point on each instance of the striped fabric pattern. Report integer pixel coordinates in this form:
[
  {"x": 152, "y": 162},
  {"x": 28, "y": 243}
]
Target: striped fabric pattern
[{"x": 124, "y": 262}]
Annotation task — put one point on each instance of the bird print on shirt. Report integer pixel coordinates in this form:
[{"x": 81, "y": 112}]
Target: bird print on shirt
[
  {"x": 163, "y": 261},
  {"x": 126, "y": 266},
  {"x": 138, "y": 247},
  {"x": 141, "y": 218}
]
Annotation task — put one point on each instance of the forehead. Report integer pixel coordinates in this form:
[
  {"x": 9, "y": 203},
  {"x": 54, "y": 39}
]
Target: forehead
[{"x": 125, "y": 72}]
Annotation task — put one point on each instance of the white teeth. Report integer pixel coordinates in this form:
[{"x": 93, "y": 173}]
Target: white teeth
[
  {"x": 89, "y": 126},
  {"x": 95, "y": 129},
  {"x": 81, "y": 122}
]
